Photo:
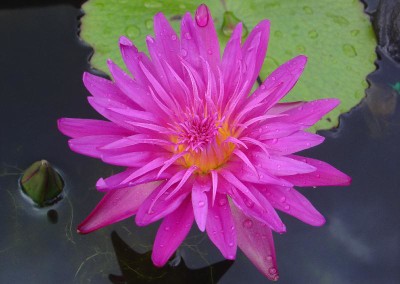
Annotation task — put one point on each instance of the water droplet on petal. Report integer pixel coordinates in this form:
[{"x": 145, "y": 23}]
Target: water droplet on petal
[
  {"x": 231, "y": 244},
  {"x": 272, "y": 270},
  {"x": 173, "y": 37},
  {"x": 248, "y": 223},
  {"x": 222, "y": 201},
  {"x": 201, "y": 203},
  {"x": 287, "y": 207},
  {"x": 167, "y": 228},
  {"x": 269, "y": 258},
  {"x": 183, "y": 52},
  {"x": 188, "y": 36},
  {"x": 283, "y": 199},
  {"x": 202, "y": 15}
]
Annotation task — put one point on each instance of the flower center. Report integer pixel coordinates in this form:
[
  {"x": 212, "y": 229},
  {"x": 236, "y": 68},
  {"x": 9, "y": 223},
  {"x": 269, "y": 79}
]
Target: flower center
[{"x": 203, "y": 141}]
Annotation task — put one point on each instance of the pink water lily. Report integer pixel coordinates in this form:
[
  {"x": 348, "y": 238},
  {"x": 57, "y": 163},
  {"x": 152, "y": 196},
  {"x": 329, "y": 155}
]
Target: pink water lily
[{"x": 199, "y": 145}]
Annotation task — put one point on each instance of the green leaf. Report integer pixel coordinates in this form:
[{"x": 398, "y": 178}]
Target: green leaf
[{"x": 336, "y": 36}]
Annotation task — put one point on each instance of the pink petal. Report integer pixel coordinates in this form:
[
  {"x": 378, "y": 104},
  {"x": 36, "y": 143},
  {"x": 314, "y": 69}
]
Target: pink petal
[
  {"x": 220, "y": 227},
  {"x": 324, "y": 174},
  {"x": 115, "y": 206},
  {"x": 208, "y": 35},
  {"x": 261, "y": 30},
  {"x": 264, "y": 212},
  {"x": 306, "y": 113},
  {"x": 293, "y": 143},
  {"x": 167, "y": 42},
  {"x": 132, "y": 57},
  {"x": 90, "y": 145},
  {"x": 190, "y": 42},
  {"x": 200, "y": 202},
  {"x": 280, "y": 165},
  {"x": 106, "y": 89},
  {"x": 292, "y": 202},
  {"x": 173, "y": 230},
  {"x": 256, "y": 241},
  {"x": 151, "y": 211},
  {"x": 75, "y": 127}
]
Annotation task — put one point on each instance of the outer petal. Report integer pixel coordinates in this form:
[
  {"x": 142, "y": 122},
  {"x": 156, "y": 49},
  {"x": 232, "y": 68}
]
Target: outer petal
[
  {"x": 260, "y": 30},
  {"x": 149, "y": 212},
  {"x": 200, "y": 203},
  {"x": 292, "y": 202},
  {"x": 255, "y": 240},
  {"x": 116, "y": 205},
  {"x": 172, "y": 232},
  {"x": 304, "y": 113},
  {"x": 220, "y": 227},
  {"x": 295, "y": 142},
  {"x": 89, "y": 145},
  {"x": 208, "y": 35},
  {"x": 324, "y": 175},
  {"x": 75, "y": 127}
]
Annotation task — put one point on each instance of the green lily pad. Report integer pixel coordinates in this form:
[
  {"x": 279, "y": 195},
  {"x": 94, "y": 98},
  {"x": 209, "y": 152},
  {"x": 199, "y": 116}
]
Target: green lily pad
[{"x": 336, "y": 36}]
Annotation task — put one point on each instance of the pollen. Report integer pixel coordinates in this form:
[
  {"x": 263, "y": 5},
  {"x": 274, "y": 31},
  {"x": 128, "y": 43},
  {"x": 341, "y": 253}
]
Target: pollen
[{"x": 203, "y": 140}]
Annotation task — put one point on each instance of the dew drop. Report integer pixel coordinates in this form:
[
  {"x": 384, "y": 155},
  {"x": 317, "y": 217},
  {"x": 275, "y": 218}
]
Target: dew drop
[
  {"x": 231, "y": 244},
  {"x": 222, "y": 202},
  {"x": 201, "y": 203},
  {"x": 273, "y": 141},
  {"x": 283, "y": 199},
  {"x": 278, "y": 34},
  {"x": 308, "y": 10},
  {"x": 132, "y": 31},
  {"x": 287, "y": 207},
  {"x": 202, "y": 16},
  {"x": 209, "y": 52},
  {"x": 167, "y": 228},
  {"x": 173, "y": 37},
  {"x": 269, "y": 258},
  {"x": 162, "y": 245},
  {"x": 313, "y": 34},
  {"x": 152, "y": 4},
  {"x": 272, "y": 270},
  {"x": 262, "y": 87},
  {"x": 349, "y": 50},
  {"x": 188, "y": 36},
  {"x": 183, "y": 52},
  {"x": 149, "y": 24},
  {"x": 355, "y": 32},
  {"x": 248, "y": 223}
]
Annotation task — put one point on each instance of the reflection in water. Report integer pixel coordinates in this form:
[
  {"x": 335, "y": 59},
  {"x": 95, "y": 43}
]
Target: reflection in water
[{"x": 138, "y": 268}]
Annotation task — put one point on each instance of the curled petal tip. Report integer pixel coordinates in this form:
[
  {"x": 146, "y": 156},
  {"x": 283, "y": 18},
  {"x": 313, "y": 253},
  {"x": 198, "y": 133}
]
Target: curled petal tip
[
  {"x": 123, "y": 40},
  {"x": 202, "y": 15}
]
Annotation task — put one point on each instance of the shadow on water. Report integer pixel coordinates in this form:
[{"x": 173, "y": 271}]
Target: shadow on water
[{"x": 42, "y": 63}]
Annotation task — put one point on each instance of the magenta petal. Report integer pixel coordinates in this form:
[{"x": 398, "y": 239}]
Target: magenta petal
[
  {"x": 261, "y": 30},
  {"x": 256, "y": 241},
  {"x": 292, "y": 202},
  {"x": 173, "y": 230},
  {"x": 152, "y": 210},
  {"x": 90, "y": 145},
  {"x": 295, "y": 142},
  {"x": 305, "y": 113},
  {"x": 115, "y": 206},
  {"x": 324, "y": 174},
  {"x": 75, "y": 127},
  {"x": 220, "y": 227},
  {"x": 264, "y": 212},
  {"x": 208, "y": 35},
  {"x": 200, "y": 203}
]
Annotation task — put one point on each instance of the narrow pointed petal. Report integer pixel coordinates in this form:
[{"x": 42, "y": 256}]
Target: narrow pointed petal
[
  {"x": 290, "y": 201},
  {"x": 256, "y": 241},
  {"x": 264, "y": 212},
  {"x": 324, "y": 174},
  {"x": 261, "y": 30},
  {"x": 220, "y": 227},
  {"x": 172, "y": 231},
  {"x": 306, "y": 113},
  {"x": 75, "y": 127},
  {"x": 208, "y": 35},
  {"x": 200, "y": 203},
  {"x": 295, "y": 142},
  {"x": 90, "y": 145},
  {"x": 151, "y": 211},
  {"x": 115, "y": 206}
]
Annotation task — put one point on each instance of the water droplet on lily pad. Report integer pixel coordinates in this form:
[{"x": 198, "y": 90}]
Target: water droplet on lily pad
[
  {"x": 42, "y": 183},
  {"x": 132, "y": 31},
  {"x": 229, "y": 23},
  {"x": 349, "y": 50}
]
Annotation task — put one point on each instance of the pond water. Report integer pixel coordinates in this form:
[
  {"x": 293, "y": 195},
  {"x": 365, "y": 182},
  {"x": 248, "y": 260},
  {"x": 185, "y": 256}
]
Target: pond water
[{"x": 42, "y": 61}]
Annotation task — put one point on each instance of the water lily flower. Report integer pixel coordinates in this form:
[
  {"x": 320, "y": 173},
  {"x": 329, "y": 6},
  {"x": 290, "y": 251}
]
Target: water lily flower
[{"x": 200, "y": 146}]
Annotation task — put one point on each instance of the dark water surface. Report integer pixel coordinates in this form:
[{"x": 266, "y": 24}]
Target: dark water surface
[{"x": 42, "y": 61}]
